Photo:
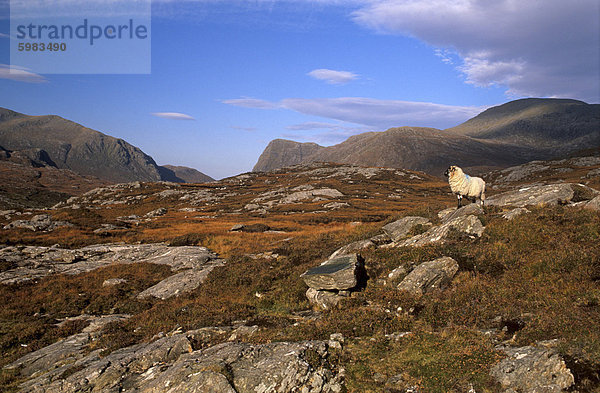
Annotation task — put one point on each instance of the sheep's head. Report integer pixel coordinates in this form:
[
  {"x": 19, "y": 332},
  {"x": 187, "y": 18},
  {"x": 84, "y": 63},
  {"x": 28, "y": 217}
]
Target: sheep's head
[{"x": 452, "y": 171}]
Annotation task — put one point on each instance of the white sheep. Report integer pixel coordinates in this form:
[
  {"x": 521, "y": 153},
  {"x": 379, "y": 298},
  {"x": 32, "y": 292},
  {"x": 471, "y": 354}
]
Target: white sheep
[{"x": 462, "y": 184}]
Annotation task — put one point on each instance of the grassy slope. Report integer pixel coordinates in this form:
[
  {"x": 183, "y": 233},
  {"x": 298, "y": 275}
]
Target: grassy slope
[{"x": 539, "y": 272}]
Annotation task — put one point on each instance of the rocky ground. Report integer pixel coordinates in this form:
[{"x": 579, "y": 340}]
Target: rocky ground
[{"x": 319, "y": 278}]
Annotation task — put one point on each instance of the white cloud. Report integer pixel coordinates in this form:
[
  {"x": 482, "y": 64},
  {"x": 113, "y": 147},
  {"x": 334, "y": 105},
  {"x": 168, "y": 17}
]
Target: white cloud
[
  {"x": 380, "y": 114},
  {"x": 534, "y": 48},
  {"x": 20, "y": 74},
  {"x": 333, "y": 77},
  {"x": 173, "y": 115},
  {"x": 247, "y": 102}
]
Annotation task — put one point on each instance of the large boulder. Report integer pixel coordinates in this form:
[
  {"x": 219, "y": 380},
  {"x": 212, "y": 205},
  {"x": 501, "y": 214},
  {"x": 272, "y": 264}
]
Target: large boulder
[
  {"x": 534, "y": 369},
  {"x": 402, "y": 227},
  {"x": 427, "y": 276},
  {"x": 339, "y": 273}
]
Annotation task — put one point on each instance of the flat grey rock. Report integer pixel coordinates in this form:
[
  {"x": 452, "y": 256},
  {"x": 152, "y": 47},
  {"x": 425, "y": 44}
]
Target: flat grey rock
[
  {"x": 340, "y": 273},
  {"x": 182, "y": 282}
]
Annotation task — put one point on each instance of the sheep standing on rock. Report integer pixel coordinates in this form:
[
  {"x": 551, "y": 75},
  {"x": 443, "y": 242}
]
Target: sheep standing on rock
[{"x": 462, "y": 184}]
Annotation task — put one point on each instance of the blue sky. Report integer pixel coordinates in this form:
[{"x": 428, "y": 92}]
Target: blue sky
[{"x": 229, "y": 76}]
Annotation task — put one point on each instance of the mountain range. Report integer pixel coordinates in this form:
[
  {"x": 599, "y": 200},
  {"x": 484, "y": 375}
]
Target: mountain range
[
  {"x": 501, "y": 136},
  {"x": 54, "y": 141}
]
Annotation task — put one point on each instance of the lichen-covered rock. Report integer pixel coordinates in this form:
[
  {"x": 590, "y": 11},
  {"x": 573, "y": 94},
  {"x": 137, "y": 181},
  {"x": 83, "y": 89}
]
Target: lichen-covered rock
[
  {"x": 56, "y": 358},
  {"x": 550, "y": 194},
  {"x": 469, "y": 225},
  {"x": 171, "y": 364},
  {"x": 402, "y": 227},
  {"x": 34, "y": 262},
  {"x": 533, "y": 369},
  {"x": 427, "y": 276},
  {"x": 340, "y": 273}
]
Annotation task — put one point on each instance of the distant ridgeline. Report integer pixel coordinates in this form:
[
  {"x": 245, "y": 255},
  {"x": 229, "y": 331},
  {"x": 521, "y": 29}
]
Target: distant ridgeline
[
  {"x": 501, "y": 136},
  {"x": 68, "y": 145}
]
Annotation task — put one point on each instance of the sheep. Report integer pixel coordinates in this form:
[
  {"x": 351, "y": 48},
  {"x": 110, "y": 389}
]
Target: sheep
[{"x": 462, "y": 184}]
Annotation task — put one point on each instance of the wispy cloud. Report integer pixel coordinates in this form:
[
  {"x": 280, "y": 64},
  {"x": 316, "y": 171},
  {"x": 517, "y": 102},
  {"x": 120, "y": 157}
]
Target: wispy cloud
[
  {"x": 20, "y": 74},
  {"x": 247, "y": 102},
  {"x": 549, "y": 48},
  {"x": 322, "y": 132},
  {"x": 333, "y": 77},
  {"x": 173, "y": 115},
  {"x": 369, "y": 112},
  {"x": 247, "y": 129}
]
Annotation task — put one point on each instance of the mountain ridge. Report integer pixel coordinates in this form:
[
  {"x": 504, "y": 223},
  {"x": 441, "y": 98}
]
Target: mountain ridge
[
  {"x": 83, "y": 150},
  {"x": 501, "y": 136}
]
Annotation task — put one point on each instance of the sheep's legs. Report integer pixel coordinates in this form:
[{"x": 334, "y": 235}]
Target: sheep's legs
[{"x": 459, "y": 201}]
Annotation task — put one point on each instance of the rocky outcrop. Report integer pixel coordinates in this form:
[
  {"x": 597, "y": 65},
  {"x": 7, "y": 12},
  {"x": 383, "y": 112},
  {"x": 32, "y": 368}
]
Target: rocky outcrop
[
  {"x": 41, "y": 222},
  {"x": 470, "y": 209},
  {"x": 172, "y": 363},
  {"x": 468, "y": 224},
  {"x": 551, "y": 194},
  {"x": 533, "y": 369},
  {"x": 397, "y": 230},
  {"x": 428, "y": 276},
  {"x": 34, "y": 262},
  {"x": 53, "y": 360}
]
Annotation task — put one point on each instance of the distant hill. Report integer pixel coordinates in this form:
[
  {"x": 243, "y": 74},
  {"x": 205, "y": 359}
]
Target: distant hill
[
  {"x": 282, "y": 152},
  {"x": 563, "y": 124},
  {"x": 509, "y": 134},
  {"x": 68, "y": 145},
  {"x": 183, "y": 174}
]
